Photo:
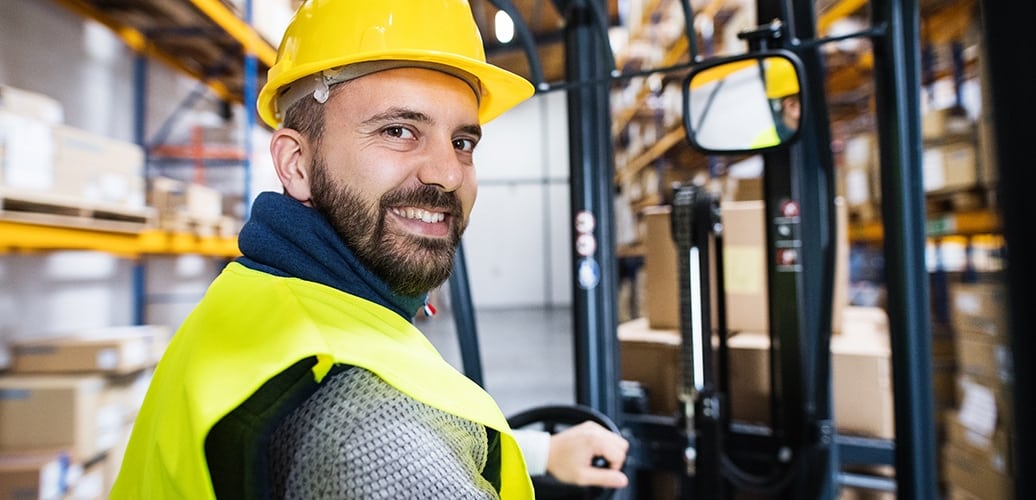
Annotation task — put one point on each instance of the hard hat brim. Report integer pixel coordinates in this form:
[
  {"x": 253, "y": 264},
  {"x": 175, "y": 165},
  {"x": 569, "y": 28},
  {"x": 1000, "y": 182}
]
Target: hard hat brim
[{"x": 501, "y": 89}]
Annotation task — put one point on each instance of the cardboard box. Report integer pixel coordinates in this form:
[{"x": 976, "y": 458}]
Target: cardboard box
[
  {"x": 749, "y": 377},
  {"x": 861, "y": 372},
  {"x": 652, "y": 357},
  {"x": 861, "y": 380},
  {"x": 940, "y": 123},
  {"x": 954, "y": 492},
  {"x": 950, "y": 167},
  {"x": 204, "y": 202},
  {"x": 98, "y": 169},
  {"x": 985, "y": 404},
  {"x": 661, "y": 288},
  {"x": 744, "y": 268},
  {"x": 57, "y": 412},
  {"x": 744, "y": 188},
  {"x": 27, "y": 162},
  {"x": 33, "y": 475},
  {"x": 176, "y": 200},
  {"x": 980, "y": 308},
  {"x": 975, "y": 474},
  {"x": 115, "y": 350},
  {"x": 980, "y": 356},
  {"x": 32, "y": 105},
  {"x": 995, "y": 446}
]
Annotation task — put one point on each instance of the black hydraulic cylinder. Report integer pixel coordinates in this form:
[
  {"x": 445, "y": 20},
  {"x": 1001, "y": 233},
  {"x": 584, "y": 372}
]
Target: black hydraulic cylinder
[
  {"x": 595, "y": 268},
  {"x": 897, "y": 73}
]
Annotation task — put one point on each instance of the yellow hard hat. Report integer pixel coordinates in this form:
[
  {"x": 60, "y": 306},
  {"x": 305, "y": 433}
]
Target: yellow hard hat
[
  {"x": 328, "y": 35},
  {"x": 781, "y": 78}
]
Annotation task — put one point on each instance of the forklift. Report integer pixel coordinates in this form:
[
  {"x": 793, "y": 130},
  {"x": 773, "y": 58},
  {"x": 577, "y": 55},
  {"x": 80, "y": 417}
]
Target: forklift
[{"x": 799, "y": 455}]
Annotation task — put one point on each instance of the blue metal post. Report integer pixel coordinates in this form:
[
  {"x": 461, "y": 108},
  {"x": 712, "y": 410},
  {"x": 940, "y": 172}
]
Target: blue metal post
[
  {"x": 251, "y": 71},
  {"x": 140, "y": 71}
]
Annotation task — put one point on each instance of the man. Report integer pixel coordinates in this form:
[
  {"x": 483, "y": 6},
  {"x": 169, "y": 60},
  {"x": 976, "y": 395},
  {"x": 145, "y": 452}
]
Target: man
[
  {"x": 300, "y": 374},
  {"x": 782, "y": 93}
]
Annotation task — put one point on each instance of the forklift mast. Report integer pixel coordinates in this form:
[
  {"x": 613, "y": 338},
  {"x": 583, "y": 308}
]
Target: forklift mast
[
  {"x": 799, "y": 193},
  {"x": 800, "y": 455}
]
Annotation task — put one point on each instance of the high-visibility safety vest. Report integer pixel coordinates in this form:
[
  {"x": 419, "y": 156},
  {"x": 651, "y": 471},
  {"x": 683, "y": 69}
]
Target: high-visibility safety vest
[{"x": 252, "y": 326}]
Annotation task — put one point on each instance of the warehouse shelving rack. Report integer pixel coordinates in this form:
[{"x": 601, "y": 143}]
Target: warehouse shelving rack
[{"x": 204, "y": 39}]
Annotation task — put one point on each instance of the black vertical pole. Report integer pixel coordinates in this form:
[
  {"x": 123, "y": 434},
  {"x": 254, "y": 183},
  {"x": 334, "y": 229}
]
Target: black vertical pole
[
  {"x": 813, "y": 181},
  {"x": 464, "y": 318},
  {"x": 595, "y": 319},
  {"x": 1007, "y": 30},
  {"x": 897, "y": 88}
]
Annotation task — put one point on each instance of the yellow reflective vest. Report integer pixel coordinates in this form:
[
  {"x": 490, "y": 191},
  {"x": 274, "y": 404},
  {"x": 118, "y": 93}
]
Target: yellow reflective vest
[{"x": 251, "y": 326}]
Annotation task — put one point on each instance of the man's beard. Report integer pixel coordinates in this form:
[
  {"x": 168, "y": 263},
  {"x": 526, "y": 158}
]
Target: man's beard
[{"x": 411, "y": 265}]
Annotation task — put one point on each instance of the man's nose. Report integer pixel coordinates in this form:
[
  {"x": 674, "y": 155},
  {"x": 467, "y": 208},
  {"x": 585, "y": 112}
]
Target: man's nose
[{"x": 443, "y": 169}]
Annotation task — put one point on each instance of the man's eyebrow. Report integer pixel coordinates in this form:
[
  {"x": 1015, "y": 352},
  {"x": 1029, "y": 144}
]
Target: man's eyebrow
[
  {"x": 474, "y": 130},
  {"x": 398, "y": 114}
]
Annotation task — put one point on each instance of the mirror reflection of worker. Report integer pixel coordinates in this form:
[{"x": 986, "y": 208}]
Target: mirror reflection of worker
[
  {"x": 300, "y": 374},
  {"x": 782, "y": 93}
]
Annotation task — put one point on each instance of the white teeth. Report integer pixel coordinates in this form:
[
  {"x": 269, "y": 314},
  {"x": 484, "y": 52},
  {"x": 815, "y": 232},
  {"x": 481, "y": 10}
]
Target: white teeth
[{"x": 420, "y": 214}]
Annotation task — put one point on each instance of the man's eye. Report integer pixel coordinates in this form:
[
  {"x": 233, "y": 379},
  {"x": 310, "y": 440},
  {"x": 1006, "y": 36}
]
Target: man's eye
[
  {"x": 467, "y": 145},
  {"x": 399, "y": 132}
]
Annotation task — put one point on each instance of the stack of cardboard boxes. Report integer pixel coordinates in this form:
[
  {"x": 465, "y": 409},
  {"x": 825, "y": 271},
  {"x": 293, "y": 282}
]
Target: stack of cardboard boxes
[
  {"x": 48, "y": 163},
  {"x": 976, "y": 456},
  {"x": 192, "y": 208},
  {"x": 67, "y": 404},
  {"x": 650, "y": 345},
  {"x": 860, "y": 344}
]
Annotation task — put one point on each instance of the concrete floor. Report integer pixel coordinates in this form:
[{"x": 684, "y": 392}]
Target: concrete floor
[{"x": 526, "y": 353}]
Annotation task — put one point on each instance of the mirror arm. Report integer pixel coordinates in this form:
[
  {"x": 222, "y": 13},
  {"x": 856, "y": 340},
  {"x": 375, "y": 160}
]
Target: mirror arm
[
  {"x": 874, "y": 32},
  {"x": 615, "y": 77},
  {"x": 689, "y": 33},
  {"x": 763, "y": 34}
]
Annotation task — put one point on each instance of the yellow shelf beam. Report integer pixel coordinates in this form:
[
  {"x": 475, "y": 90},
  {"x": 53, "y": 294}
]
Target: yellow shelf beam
[
  {"x": 963, "y": 223},
  {"x": 138, "y": 41},
  {"x": 238, "y": 28},
  {"x": 25, "y": 236}
]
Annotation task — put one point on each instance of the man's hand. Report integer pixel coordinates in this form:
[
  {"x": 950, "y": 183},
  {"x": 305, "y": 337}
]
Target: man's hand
[{"x": 572, "y": 452}]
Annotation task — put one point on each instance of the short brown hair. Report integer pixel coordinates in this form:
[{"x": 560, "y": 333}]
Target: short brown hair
[{"x": 307, "y": 117}]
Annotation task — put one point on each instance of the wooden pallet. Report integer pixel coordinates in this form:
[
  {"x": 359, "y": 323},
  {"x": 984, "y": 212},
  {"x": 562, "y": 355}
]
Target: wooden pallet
[
  {"x": 65, "y": 211},
  {"x": 205, "y": 227},
  {"x": 961, "y": 200}
]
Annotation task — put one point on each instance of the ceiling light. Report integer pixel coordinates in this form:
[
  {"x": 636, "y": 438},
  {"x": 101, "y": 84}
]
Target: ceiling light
[{"x": 504, "y": 27}]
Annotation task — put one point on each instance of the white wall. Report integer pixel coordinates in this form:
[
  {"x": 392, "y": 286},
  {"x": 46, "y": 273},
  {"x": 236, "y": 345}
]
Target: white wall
[{"x": 517, "y": 244}]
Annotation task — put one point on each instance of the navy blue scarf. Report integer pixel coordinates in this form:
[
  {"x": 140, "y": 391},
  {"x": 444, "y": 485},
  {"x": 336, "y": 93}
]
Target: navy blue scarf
[{"x": 286, "y": 238}]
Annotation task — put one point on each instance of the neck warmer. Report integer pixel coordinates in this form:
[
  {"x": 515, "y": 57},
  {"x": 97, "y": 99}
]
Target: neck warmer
[{"x": 283, "y": 237}]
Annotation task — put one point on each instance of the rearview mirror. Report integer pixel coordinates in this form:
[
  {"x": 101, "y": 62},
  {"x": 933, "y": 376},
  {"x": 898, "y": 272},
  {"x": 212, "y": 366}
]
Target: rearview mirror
[{"x": 745, "y": 103}]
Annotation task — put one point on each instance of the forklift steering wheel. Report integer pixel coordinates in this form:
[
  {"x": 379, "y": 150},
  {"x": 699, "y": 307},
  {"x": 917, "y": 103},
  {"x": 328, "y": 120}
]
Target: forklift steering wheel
[{"x": 553, "y": 419}]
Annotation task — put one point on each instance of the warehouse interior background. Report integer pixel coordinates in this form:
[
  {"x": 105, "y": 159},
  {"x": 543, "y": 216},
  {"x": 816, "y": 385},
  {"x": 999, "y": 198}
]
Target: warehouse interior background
[{"x": 135, "y": 242}]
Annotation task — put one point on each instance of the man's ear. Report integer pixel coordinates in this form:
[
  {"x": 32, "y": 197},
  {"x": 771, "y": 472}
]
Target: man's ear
[{"x": 291, "y": 158}]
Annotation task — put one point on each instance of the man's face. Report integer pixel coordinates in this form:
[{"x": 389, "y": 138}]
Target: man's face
[
  {"x": 394, "y": 173},
  {"x": 791, "y": 111}
]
